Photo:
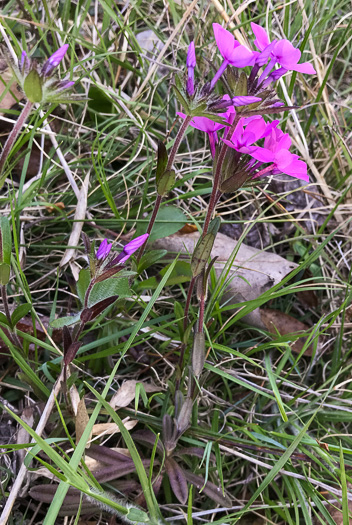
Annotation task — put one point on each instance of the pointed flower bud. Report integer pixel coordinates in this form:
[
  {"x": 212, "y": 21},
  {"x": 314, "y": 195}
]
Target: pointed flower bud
[
  {"x": 103, "y": 250},
  {"x": 191, "y": 64},
  {"x": 130, "y": 248},
  {"x": 54, "y": 60}
]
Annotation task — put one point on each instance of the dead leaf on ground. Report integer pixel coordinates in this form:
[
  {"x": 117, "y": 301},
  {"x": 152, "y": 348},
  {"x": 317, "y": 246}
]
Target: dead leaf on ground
[
  {"x": 112, "y": 428},
  {"x": 336, "y": 514},
  {"x": 127, "y": 392},
  {"x": 22, "y": 434},
  {"x": 187, "y": 228},
  {"x": 278, "y": 322},
  {"x": 253, "y": 271},
  {"x": 82, "y": 420}
]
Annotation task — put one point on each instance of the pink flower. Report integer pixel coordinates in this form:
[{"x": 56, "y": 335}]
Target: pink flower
[
  {"x": 231, "y": 50},
  {"x": 130, "y": 248},
  {"x": 281, "y": 51},
  {"x": 276, "y": 151},
  {"x": 249, "y": 131}
]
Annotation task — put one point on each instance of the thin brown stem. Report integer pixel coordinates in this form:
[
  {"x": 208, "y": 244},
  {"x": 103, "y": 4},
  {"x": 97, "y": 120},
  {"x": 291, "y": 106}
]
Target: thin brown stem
[
  {"x": 150, "y": 226},
  {"x": 170, "y": 162},
  {"x": 14, "y": 133},
  {"x": 177, "y": 142}
]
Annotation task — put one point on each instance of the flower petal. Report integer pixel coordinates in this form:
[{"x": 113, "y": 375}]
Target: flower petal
[
  {"x": 224, "y": 40},
  {"x": 262, "y": 39},
  {"x": 305, "y": 67}
]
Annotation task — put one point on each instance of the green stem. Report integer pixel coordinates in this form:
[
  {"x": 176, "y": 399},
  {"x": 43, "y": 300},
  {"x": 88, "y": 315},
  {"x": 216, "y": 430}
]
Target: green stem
[{"x": 14, "y": 133}]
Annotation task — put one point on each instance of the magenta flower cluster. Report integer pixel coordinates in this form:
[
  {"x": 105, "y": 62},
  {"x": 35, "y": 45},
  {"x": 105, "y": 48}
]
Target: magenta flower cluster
[{"x": 265, "y": 144}]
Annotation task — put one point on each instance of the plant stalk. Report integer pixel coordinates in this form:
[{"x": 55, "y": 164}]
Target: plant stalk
[
  {"x": 215, "y": 194},
  {"x": 14, "y": 133},
  {"x": 169, "y": 165}
]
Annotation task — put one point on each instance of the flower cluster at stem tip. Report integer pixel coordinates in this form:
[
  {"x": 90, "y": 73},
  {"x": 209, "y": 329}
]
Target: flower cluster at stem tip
[
  {"x": 265, "y": 146},
  {"x": 38, "y": 82}
]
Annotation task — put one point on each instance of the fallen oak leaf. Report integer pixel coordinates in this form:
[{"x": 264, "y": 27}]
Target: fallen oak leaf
[{"x": 127, "y": 392}]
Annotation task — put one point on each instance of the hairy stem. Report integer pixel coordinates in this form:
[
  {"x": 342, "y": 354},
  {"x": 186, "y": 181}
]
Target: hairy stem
[
  {"x": 215, "y": 194},
  {"x": 170, "y": 162},
  {"x": 14, "y": 133}
]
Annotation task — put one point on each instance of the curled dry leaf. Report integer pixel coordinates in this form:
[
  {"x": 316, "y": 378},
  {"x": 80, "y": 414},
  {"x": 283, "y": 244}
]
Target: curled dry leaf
[
  {"x": 277, "y": 322},
  {"x": 253, "y": 271},
  {"x": 82, "y": 419},
  {"x": 127, "y": 392}
]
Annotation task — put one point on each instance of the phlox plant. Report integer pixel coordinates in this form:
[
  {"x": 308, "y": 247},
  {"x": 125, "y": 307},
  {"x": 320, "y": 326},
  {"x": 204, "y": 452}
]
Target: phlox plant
[{"x": 246, "y": 146}]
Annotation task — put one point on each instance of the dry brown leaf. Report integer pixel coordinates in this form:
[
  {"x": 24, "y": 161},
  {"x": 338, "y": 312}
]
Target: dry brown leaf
[
  {"x": 278, "y": 322},
  {"x": 112, "y": 428},
  {"x": 58, "y": 206},
  {"x": 127, "y": 392},
  {"x": 255, "y": 271},
  {"x": 22, "y": 434},
  {"x": 74, "y": 396},
  {"x": 188, "y": 228},
  {"x": 82, "y": 419},
  {"x": 336, "y": 514}
]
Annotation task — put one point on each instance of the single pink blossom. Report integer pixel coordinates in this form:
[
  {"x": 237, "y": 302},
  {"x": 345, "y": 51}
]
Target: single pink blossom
[
  {"x": 247, "y": 132},
  {"x": 276, "y": 152},
  {"x": 281, "y": 51},
  {"x": 232, "y": 52}
]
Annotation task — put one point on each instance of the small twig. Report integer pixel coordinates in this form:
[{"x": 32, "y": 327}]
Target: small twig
[{"x": 170, "y": 163}]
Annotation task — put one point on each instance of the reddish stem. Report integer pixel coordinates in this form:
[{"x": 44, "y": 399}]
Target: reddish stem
[
  {"x": 170, "y": 162},
  {"x": 14, "y": 133},
  {"x": 214, "y": 194}
]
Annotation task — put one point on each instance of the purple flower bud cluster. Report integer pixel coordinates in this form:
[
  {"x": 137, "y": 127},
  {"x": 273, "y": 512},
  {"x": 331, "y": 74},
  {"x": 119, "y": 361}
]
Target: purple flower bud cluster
[
  {"x": 266, "y": 146},
  {"x": 33, "y": 77}
]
